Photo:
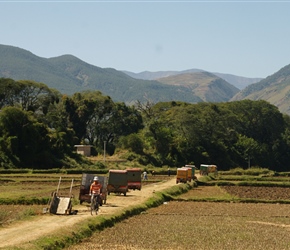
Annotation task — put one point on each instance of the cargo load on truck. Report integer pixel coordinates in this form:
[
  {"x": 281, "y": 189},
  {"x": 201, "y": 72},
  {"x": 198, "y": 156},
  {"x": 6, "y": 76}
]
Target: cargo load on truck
[
  {"x": 118, "y": 182},
  {"x": 134, "y": 178}
]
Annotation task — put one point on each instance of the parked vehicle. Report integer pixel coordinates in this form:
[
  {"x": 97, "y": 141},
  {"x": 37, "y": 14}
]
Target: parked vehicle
[
  {"x": 134, "y": 178},
  {"x": 206, "y": 169},
  {"x": 189, "y": 173},
  {"x": 118, "y": 182},
  {"x": 181, "y": 175},
  {"x": 87, "y": 180},
  {"x": 193, "y": 177}
]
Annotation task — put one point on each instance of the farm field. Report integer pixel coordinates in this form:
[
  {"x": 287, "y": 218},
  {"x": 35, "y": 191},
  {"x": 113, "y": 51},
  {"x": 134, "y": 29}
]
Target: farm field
[
  {"x": 27, "y": 227},
  {"x": 246, "y": 192},
  {"x": 200, "y": 225},
  {"x": 190, "y": 220}
]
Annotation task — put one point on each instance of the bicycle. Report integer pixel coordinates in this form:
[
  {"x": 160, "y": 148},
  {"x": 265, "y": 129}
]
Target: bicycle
[{"x": 95, "y": 203}]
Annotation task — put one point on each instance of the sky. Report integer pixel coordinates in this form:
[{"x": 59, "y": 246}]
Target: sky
[{"x": 243, "y": 38}]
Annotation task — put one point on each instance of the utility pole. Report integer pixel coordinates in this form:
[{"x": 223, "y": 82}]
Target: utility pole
[{"x": 105, "y": 151}]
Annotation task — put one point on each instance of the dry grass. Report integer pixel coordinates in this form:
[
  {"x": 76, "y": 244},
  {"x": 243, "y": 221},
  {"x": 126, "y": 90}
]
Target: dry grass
[
  {"x": 199, "y": 225},
  {"x": 12, "y": 213}
]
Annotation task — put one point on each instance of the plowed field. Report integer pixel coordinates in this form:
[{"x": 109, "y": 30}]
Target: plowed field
[
  {"x": 199, "y": 225},
  {"x": 264, "y": 193}
]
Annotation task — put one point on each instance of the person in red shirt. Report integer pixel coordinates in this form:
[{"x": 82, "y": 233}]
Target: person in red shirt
[{"x": 96, "y": 189}]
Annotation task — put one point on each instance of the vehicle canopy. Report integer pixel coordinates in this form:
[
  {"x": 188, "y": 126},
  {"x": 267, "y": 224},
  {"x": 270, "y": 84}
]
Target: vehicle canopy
[
  {"x": 134, "y": 178},
  {"x": 118, "y": 181},
  {"x": 181, "y": 175},
  {"x": 192, "y": 170}
]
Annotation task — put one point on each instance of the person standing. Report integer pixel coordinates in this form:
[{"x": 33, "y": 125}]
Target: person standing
[
  {"x": 168, "y": 171},
  {"x": 145, "y": 176}
]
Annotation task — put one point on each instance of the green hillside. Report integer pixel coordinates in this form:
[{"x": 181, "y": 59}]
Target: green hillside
[
  {"x": 275, "y": 89},
  {"x": 69, "y": 75}
]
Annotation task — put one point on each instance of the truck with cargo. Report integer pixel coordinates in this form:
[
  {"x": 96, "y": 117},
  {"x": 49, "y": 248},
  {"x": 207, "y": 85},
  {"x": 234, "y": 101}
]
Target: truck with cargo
[
  {"x": 207, "y": 169},
  {"x": 181, "y": 175},
  {"x": 193, "y": 168},
  {"x": 118, "y": 182},
  {"x": 189, "y": 173}
]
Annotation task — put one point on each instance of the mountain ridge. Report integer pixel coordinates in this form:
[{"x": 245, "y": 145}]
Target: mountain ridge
[
  {"x": 69, "y": 75},
  {"x": 239, "y": 82}
]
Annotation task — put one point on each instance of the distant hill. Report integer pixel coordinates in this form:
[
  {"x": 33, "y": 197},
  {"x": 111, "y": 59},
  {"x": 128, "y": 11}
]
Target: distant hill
[
  {"x": 69, "y": 75},
  {"x": 237, "y": 81},
  {"x": 275, "y": 89},
  {"x": 203, "y": 84}
]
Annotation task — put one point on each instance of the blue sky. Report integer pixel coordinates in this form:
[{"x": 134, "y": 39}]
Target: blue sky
[{"x": 245, "y": 38}]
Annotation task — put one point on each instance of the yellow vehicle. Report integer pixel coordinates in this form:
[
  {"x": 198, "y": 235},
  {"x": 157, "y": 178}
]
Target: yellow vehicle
[
  {"x": 181, "y": 175},
  {"x": 189, "y": 173}
]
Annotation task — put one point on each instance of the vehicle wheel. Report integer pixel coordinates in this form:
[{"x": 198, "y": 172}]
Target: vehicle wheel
[
  {"x": 125, "y": 194},
  {"x": 92, "y": 206},
  {"x": 108, "y": 193}
]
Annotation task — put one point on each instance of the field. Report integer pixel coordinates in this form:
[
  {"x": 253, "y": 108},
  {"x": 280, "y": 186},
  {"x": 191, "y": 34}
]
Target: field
[
  {"x": 229, "y": 212},
  {"x": 200, "y": 225}
]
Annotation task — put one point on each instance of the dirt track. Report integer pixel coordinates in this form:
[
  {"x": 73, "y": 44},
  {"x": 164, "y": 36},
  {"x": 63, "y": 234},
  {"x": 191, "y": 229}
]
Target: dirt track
[{"x": 22, "y": 233}]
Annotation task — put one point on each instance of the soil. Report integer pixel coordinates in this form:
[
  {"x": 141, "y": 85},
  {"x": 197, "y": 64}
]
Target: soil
[
  {"x": 264, "y": 193},
  {"x": 20, "y": 234}
]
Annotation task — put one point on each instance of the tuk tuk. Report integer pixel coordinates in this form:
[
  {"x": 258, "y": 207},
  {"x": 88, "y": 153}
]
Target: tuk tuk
[
  {"x": 118, "y": 182},
  {"x": 181, "y": 175},
  {"x": 87, "y": 180},
  {"x": 134, "y": 178},
  {"x": 189, "y": 173},
  {"x": 193, "y": 177},
  {"x": 206, "y": 169}
]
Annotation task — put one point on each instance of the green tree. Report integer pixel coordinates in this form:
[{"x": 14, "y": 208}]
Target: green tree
[{"x": 23, "y": 138}]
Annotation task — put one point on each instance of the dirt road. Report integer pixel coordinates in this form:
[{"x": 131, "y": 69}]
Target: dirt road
[{"x": 22, "y": 233}]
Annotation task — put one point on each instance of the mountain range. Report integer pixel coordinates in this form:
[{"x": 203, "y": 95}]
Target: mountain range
[{"x": 69, "y": 75}]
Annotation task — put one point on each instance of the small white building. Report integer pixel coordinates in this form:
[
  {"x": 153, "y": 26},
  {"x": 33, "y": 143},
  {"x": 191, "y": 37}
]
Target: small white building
[{"x": 84, "y": 149}]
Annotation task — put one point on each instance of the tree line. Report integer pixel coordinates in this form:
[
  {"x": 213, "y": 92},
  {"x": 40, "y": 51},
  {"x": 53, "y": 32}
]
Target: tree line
[{"x": 39, "y": 127}]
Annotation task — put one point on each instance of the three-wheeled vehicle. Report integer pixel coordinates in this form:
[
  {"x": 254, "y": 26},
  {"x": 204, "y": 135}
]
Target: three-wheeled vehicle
[
  {"x": 181, "y": 175},
  {"x": 189, "y": 173},
  {"x": 118, "y": 182},
  {"x": 87, "y": 180},
  {"x": 193, "y": 177},
  {"x": 134, "y": 178},
  {"x": 206, "y": 169}
]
